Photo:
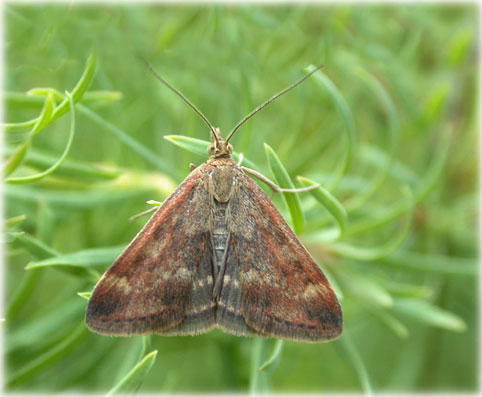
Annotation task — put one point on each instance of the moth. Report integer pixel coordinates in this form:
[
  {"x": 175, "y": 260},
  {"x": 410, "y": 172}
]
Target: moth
[{"x": 217, "y": 254}]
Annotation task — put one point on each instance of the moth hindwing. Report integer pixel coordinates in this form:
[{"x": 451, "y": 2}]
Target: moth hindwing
[{"x": 217, "y": 253}]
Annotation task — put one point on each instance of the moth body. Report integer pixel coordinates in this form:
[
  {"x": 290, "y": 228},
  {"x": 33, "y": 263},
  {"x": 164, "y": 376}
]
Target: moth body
[{"x": 216, "y": 254}]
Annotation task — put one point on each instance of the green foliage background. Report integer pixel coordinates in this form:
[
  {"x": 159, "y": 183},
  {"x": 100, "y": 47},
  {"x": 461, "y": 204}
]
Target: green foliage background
[{"x": 401, "y": 79}]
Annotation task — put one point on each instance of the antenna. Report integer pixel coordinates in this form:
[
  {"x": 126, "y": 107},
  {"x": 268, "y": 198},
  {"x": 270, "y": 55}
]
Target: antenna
[
  {"x": 246, "y": 118},
  {"x": 203, "y": 117}
]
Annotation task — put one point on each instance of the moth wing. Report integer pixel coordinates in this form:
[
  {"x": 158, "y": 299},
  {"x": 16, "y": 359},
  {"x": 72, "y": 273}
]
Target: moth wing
[
  {"x": 283, "y": 292},
  {"x": 162, "y": 282}
]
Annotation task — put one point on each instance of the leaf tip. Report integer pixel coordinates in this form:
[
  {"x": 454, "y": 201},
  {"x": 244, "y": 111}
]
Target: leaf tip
[{"x": 85, "y": 295}]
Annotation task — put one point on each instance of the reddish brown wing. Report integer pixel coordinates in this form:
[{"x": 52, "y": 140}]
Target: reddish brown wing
[
  {"x": 149, "y": 288},
  {"x": 284, "y": 293}
]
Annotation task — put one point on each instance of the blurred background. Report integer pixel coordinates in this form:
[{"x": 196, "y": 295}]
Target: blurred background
[{"x": 388, "y": 127}]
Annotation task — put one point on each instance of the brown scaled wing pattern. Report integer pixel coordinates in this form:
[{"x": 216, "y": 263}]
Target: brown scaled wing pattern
[
  {"x": 284, "y": 292},
  {"x": 149, "y": 288}
]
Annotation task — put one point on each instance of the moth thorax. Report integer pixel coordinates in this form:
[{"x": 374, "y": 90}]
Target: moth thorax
[{"x": 222, "y": 179}]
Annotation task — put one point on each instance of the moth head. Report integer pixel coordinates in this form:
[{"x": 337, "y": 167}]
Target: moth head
[{"x": 218, "y": 146}]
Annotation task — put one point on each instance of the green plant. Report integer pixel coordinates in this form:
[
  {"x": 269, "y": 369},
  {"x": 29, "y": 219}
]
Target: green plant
[{"x": 388, "y": 128}]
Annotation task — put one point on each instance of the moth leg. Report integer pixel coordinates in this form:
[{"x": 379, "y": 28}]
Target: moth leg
[
  {"x": 240, "y": 159},
  {"x": 274, "y": 186},
  {"x": 192, "y": 166},
  {"x": 219, "y": 279}
]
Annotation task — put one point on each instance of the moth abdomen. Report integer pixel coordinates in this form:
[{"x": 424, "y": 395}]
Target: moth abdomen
[{"x": 220, "y": 230}]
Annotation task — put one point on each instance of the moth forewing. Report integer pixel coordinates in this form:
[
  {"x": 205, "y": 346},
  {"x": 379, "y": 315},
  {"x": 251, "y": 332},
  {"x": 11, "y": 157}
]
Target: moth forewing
[{"x": 283, "y": 292}]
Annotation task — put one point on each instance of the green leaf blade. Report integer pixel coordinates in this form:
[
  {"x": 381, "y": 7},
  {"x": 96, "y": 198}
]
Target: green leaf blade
[
  {"x": 79, "y": 89},
  {"x": 51, "y": 356},
  {"x": 284, "y": 181},
  {"x": 135, "y": 377},
  {"x": 57, "y": 164},
  {"x": 273, "y": 361},
  {"x": 381, "y": 251},
  {"x": 429, "y": 314},
  {"x": 81, "y": 259},
  {"x": 193, "y": 145},
  {"x": 45, "y": 115},
  {"x": 16, "y": 158},
  {"x": 350, "y": 129},
  {"x": 331, "y": 204}
]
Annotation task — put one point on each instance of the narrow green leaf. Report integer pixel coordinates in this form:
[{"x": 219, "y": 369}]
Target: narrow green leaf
[
  {"x": 50, "y": 170},
  {"x": 85, "y": 295},
  {"x": 430, "y": 314},
  {"x": 393, "y": 133},
  {"x": 332, "y": 205},
  {"x": 86, "y": 198},
  {"x": 88, "y": 96},
  {"x": 379, "y": 158},
  {"x": 395, "y": 325},
  {"x": 356, "y": 361},
  {"x": 345, "y": 112},
  {"x": 381, "y": 251},
  {"x": 423, "y": 188},
  {"x": 284, "y": 181},
  {"x": 273, "y": 361},
  {"x": 435, "y": 170},
  {"x": 21, "y": 99},
  {"x": 72, "y": 169},
  {"x": 433, "y": 263},
  {"x": 10, "y": 222},
  {"x": 133, "y": 379},
  {"x": 101, "y": 96},
  {"x": 145, "y": 343},
  {"x": 366, "y": 288},
  {"x": 407, "y": 290},
  {"x": 257, "y": 379},
  {"x": 46, "y": 222},
  {"x": 42, "y": 120},
  {"x": 56, "y": 353},
  {"x": 459, "y": 46},
  {"x": 11, "y": 237},
  {"x": 22, "y": 293},
  {"x": 45, "y": 115},
  {"x": 46, "y": 91},
  {"x": 22, "y": 126},
  {"x": 130, "y": 358},
  {"x": 79, "y": 89},
  {"x": 47, "y": 328},
  {"x": 86, "y": 79},
  {"x": 193, "y": 145},
  {"x": 85, "y": 258},
  {"x": 34, "y": 246},
  {"x": 154, "y": 203},
  {"x": 435, "y": 102},
  {"x": 16, "y": 158}
]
